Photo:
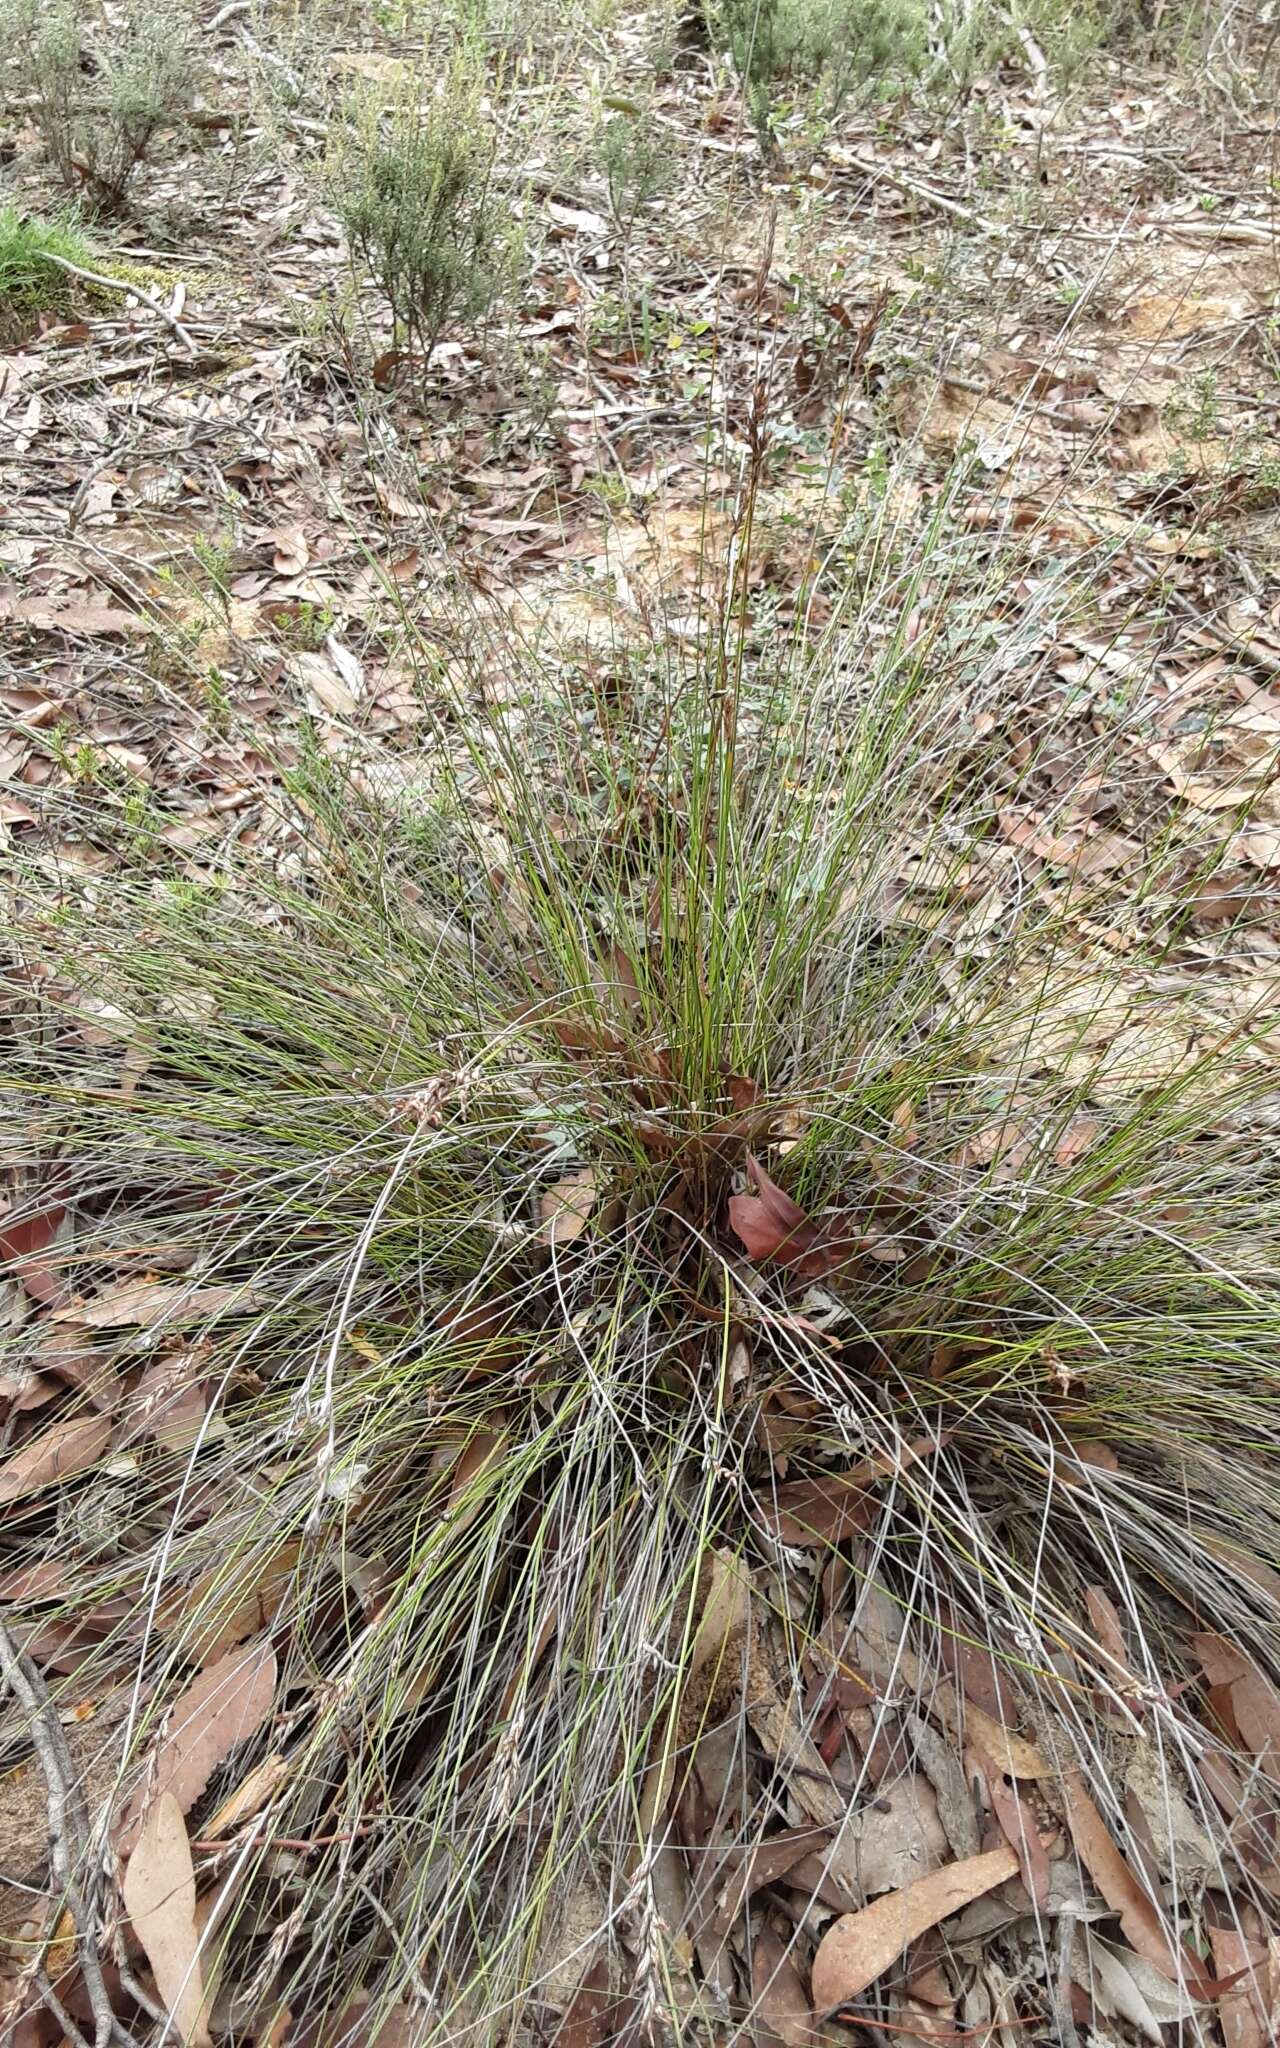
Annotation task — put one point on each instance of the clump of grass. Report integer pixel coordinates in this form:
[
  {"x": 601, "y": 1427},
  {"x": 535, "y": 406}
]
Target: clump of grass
[
  {"x": 31, "y": 281},
  {"x": 413, "y": 189},
  {"x": 462, "y": 1106},
  {"x": 103, "y": 85}
]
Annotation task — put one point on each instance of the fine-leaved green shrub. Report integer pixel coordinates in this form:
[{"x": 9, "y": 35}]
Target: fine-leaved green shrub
[
  {"x": 102, "y": 87},
  {"x": 836, "y": 46},
  {"x": 412, "y": 185},
  {"x": 633, "y": 157}
]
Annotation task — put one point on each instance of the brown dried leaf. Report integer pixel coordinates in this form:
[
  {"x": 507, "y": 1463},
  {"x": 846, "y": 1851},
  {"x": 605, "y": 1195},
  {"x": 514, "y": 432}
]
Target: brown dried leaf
[
  {"x": 327, "y": 687},
  {"x": 1108, "y": 1630},
  {"x": 65, "y": 1448},
  {"x": 1139, "y": 1916},
  {"x": 822, "y": 1510},
  {"x": 749, "y": 1867},
  {"x": 160, "y": 1894},
  {"x": 1245, "y": 1697},
  {"x": 249, "y": 1797},
  {"x": 861, "y": 1946},
  {"x": 145, "y": 1303},
  {"x": 830, "y": 1506},
  {"x": 586, "y": 2021},
  {"x": 1018, "y": 1826},
  {"x": 290, "y": 550},
  {"x": 891, "y": 1841},
  {"x": 466, "y": 1492},
  {"x": 566, "y": 1208},
  {"x": 228, "y": 1610},
  {"x": 23, "y": 1239},
  {"x": 224, "y": 1706},
  {"x": 777, "y": 1992},
  {"x": 726, "y": 1610},
  {"x": 1010, "y": 1753},
  {"x": 769, "y": 1223},
  {"x": 167, "y": 1403},
  {"x": 1244, "y": 2007},
  {"x": 76, "y": 618}
]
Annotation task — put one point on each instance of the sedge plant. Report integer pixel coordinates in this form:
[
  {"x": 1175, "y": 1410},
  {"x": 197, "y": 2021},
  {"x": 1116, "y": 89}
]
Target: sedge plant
[{"x": 676, "y": 1102}]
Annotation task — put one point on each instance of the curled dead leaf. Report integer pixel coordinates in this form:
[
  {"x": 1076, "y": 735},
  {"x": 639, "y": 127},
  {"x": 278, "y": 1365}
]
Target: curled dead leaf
[
  {"x": 290, "y": 550},
  {"x": 861, "y": 1946},
  {"x": 160, "y": 1893},
  {"x": 224, "y": 1706},
  {"x": 249, "y": 1797},
  {"x": 769, "y": 1223},
  {"x": 565, "y": 1209},
  {"x": 67, "y": 1447}
]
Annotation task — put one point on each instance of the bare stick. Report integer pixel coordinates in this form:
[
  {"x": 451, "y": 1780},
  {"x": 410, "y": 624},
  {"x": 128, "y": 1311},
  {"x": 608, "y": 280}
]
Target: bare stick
[
  {"x": 68, "y": 1822},
  {"x": 135, "y": 291},
  {"x": 52, "y": 2002}
]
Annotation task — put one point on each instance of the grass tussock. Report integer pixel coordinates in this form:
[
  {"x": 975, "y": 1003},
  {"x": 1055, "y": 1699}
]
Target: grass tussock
[
  {"x": 31, "y": 283},
  {"x": 681, "y": 1242}
]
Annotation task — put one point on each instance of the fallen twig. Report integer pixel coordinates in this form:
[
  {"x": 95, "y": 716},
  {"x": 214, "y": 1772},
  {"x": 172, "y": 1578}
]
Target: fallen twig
[
  {"x": 873, "y": 169},
  {"x": 121, "y": 284},
  {"x": 68, "y": 1828}
]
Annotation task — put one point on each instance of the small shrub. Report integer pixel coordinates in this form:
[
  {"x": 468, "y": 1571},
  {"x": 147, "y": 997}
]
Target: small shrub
[
  {"x": 102, "y": 89},
  {"x": 633, "y": 160},
  {"x": 846, "y": 44},
  {"x": 837, "y": 45},
  {"x": 413, "y": 191},
  {"x": 30, "y": 283}
]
